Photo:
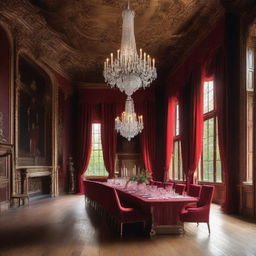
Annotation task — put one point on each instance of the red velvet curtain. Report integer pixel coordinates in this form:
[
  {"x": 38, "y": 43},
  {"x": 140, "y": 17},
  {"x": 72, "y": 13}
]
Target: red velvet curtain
[
  {"x": 170, "y": 133},
  {"x": 223, "y": 125},
  {"x": 108, "y": 136},
  {"x": 191, "y": 118},
  {"x": 148, "y": 137},
  {"x": 84, "y": 141},
  {"x": 217, "y": 68}
]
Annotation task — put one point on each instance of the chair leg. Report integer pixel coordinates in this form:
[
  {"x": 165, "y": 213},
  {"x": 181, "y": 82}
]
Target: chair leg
[
  {"x": 208, "y": 224},
  {"x": 197, "y": 223},
  {"x": 121, "y": 229}
]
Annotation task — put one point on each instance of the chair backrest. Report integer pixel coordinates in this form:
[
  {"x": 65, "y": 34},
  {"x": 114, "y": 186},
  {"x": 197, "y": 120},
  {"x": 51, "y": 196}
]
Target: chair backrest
[
  {"x": 95, "y": 192},
  {"x": 168, "y": 184},
  {"x": 115, "y": 207},
  {"x": 206, "y": 195},
  {"x": 194, "y": 190},
  {"x": 157, "y": 183},
  {"x": 179, "y": 188},
  {"x": 88, "y": 189}
]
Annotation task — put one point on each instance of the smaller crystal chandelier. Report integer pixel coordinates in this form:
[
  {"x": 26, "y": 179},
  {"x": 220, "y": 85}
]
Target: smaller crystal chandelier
[{"x": 129, "y": 125}]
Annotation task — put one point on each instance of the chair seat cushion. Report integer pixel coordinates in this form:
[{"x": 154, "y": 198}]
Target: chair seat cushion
[
  {"x": 198, "y": 214},
  {"x": 191, "y": 205}
]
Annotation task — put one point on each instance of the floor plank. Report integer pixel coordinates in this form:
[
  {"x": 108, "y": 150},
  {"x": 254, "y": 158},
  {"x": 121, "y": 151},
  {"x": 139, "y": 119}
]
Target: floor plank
[{"x": 65, "y": 226}]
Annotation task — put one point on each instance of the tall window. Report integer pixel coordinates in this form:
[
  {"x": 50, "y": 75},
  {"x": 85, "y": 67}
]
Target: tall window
[
  {"x": 249, "y": 96},
  {"x": 96, "y": 164},
  {"x": 210, "y": 164},
  {"x": 175, "y": 171}
]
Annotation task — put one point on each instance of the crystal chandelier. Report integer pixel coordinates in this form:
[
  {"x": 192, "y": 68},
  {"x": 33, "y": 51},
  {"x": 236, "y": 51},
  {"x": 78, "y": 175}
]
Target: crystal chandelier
[
  {"x": 129, "y": 125},
  {"x": 129, "y": 71}
]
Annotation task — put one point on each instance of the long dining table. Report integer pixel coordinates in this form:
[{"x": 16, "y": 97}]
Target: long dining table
[{"x": 164, "y": 212}]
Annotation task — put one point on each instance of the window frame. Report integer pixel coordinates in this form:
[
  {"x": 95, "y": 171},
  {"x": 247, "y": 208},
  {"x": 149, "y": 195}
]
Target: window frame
[
  {"x": 207, "y": 116},
  {"x": 249, "y": 92},
  {"x": 96, "y": 176},
  {"x": 177, "y": 139}
]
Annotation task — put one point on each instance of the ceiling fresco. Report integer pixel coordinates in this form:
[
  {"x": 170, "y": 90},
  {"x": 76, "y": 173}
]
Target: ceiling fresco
[{"x": 74, "y": 37}]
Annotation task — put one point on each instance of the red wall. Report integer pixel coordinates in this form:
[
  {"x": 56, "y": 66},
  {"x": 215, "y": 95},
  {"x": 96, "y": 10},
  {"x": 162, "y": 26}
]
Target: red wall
[{"x": 5, "y": 67}]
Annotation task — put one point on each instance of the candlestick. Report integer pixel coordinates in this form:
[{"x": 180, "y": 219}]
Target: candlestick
[{"x": 111, "y": 56}]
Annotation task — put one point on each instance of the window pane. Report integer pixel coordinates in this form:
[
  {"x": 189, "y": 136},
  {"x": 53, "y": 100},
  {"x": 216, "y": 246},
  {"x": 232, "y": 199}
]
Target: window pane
[
  {"x": 176, "y": 160},
  {"x": 180, "y": 161},
  {"x": 218, "y": 161},
  {"x": 218, "y": 171},
  {"x": 96, "y": 165},
  {"x": 250, "y": 69},
  {"x": 177, "y": 121},
  {"x": 211, "y": 163},
  {"x": 176, "y": 172},
  {"x": 208, "y": 150},
  {"x": 208, "y": 96}
]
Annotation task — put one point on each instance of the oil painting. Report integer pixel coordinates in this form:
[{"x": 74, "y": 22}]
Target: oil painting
[{"x": 34, "y": 115}]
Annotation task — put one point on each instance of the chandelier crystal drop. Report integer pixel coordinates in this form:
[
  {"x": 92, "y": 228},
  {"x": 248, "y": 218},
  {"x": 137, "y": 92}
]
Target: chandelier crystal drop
[
  {"x": 129, "y": 125},
  {"x": 129, "y": 71}
]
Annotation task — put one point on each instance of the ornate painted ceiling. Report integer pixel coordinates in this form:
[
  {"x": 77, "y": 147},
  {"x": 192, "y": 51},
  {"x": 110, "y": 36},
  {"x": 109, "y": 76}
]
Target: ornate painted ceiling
[{"x": 74, "y": 37}]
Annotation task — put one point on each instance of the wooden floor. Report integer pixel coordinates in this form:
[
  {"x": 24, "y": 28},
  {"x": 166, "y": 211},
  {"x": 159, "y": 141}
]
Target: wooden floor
[{"x": 66, "y": 226}]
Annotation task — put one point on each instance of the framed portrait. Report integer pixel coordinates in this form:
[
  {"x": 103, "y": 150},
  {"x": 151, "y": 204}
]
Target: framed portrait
[{"x": 34, "y": 115}]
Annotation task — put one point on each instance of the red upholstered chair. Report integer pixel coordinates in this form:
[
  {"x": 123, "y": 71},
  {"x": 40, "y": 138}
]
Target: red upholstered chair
[
  {"x": 201, "y": 213},
  {"x": 159, "y": 184},
  {"x": 107, "y": 198},
  {"x": 168, "y": 184},
  {"x": 179, "y": 188},
  {"x": 194, "y": 190},
  {"x": 125, "y": 215}
]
